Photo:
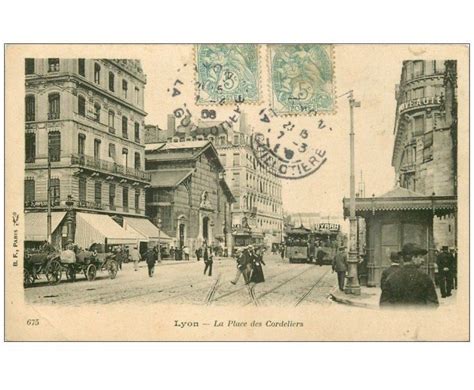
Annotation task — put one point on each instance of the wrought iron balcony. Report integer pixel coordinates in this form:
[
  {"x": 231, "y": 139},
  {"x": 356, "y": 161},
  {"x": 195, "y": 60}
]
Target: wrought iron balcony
[{"x": 108, "y": 167}]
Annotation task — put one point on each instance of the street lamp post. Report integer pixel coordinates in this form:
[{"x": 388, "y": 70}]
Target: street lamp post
[
  {"x": 352, "y": 286},
  {"x": 158, "y": 225}
]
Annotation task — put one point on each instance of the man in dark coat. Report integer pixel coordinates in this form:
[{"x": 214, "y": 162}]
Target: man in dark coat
[
  {"x": 395, "y": 266},
  {"x": 409, "y": 285},
  {"x": 199, "y": 253},
  {"x": 207, "y": 257},
  {"x": 150, "y": 258},
  {"x": 445, "y": 263},
  {"x": 244, "y": 263},
  {"x": 339, "y": 264}
]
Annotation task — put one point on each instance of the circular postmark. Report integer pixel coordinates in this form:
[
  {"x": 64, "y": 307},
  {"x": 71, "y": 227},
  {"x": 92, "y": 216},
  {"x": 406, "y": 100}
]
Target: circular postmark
[{"x": 287, "y": 153}]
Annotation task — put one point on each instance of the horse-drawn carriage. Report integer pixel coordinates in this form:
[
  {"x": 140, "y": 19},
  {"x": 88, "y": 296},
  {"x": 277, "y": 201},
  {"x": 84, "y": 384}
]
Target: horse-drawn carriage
[
  {"x": 43, "y": 261},
  {"x": 88, "y": 261},
  {"x": 72, "y": 261}
]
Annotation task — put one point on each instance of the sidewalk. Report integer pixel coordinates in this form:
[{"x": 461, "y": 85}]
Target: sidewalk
[{"x": 370, "y": 296}]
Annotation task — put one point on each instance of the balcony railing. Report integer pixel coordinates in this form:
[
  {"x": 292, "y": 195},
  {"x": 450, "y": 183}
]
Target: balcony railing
[
  {"x": 53, "y": 115},
  {"x": 90, "y": 205},
  {"x": 107, "y": 166}
]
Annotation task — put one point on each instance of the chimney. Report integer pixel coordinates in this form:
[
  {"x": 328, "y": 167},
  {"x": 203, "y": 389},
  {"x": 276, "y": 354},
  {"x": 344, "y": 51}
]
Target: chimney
[{"x": 171, "y": 124}]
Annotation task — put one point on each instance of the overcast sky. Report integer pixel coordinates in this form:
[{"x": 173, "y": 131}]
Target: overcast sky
[{"x": 371, "y": 71}]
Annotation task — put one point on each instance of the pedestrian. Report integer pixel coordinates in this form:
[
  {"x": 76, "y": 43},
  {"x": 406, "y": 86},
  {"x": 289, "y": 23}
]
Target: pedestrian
[
  {"x": 207, "y": 256},
  {"x": 409, "y": 285},
  {"x": 244, "y": 265},
  {"x": 199, "y": 253},
  {"x": 121, "y": 256},
  {"x": 339, "y": 265},
  {"x": 257, "y": 270},
  {"x": 320, "y": 256},
  {"x": 394, "y": 266},
  {"x": 186, "y": 252},
  {"x": 454, "y": 253},
  {"x": 445, "y": 263},
  {"x": 282, "y": 251},
  {"x": 150, "y": 257},
  {"x": 135, "y": 257}
]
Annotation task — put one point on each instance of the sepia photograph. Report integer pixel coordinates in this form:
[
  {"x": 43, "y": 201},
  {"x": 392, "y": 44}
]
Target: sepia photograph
[{"x": 237, "y": 192}]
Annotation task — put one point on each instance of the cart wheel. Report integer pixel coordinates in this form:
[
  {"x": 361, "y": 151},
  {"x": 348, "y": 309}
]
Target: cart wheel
[
  {"x": 113, "y": 268},
  {"x": 54, "y": 272},
  {"x": 28, "y": 278},
  {"x": 91, "y": 272},
  {"x": 71, "y": 273}
]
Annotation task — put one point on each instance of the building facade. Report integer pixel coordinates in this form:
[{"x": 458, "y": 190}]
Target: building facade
[
  {"x": 85, "y": 118},
  {"x": 189, "y": 196},
  {"x": 424, "y": 154},
  {"x": 257, "y": 192}
]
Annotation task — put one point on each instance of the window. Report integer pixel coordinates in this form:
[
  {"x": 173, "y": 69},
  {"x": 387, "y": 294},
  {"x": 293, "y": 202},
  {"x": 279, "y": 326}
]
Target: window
[
  {"x": 112, "y": 195},
  {"x": 53, "y": 64},
  {"x": 54, "y": 146},
  {"x": 418, "y": 93},
  {"x": 81, "y": 144},
  {"x": 97, "y": 112},
  {"x": 81, "y": 65},
  {"x": 124, "y": 127},
  {"x": 30, "y": 108},
  {"x": 137, "y": 160},
  {"x": 236, "y": 160},
  {"x": 223, "y": 159},
  {"x": 236, "y": 139},
  {"x": 418, "y": 68},
  {"x": 111, "y": 82},
  {"x": 137, "y": 132},
  {"x": 125, "y": 157},
  {"x": 96, "y": 73},
  {"x": 418, "y": 125},
  {"x": 137, "y": 95},
  {"x": 55, "y": 191},
  {"x": 97, "y": 149},
  {"x": 125, "y": 88},
  {"x": 428, "y": 146},
  {"x": 98, "y": 192},
  {"x": 112, "y": 151},
  {"x": 81, "y": 106},
  {"x": 409, "y": 71},
  {"x": 236, "y": 178},
  {"x": 29, "y": 190},
  {"x": 30, "y": 147},
  {"x": 111, "y": 121},
  {"x": 125, "y": 197},
  {"x": 137, "y": 199},
  {"x": 82, "y": 189},
  {"x": 29, "y": 65},
  {"x": 54, "y": 109}
]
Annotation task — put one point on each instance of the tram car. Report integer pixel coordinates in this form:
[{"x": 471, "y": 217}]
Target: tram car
[
  {"x": 243, "y": 239},
  {"x": 297, "y": 245},
  {"x": 326, "y": 238}
]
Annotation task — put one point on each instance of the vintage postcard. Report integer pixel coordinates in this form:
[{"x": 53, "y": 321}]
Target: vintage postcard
[{"x": 244, "y": 192}]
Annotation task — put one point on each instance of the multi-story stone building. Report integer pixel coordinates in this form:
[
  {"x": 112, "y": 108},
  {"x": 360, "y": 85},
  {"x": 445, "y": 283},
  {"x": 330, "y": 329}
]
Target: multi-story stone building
[
  {"x": 86, "y": 118},
  {"x": 189, "y": 194},
  {"x": 258, "y": 198},
  {"x": 424, "y": 154}
]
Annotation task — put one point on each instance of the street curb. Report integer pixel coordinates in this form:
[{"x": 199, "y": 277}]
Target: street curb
[{"x": 350, "y": 302}]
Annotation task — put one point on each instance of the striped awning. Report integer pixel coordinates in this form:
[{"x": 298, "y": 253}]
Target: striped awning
[
  {"x": 145, "y": 228},
  {"x": 100, "y": 228},
  {"x": 36, "y": 225}
]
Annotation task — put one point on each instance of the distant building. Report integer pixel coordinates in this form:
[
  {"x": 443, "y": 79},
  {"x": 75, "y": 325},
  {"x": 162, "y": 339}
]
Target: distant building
[
  {"x": 86, "y": 117},
  {"x": 189, "y": 193},
  {"x": 424, "y": 153},
  {"x": 258, "y": 199}
]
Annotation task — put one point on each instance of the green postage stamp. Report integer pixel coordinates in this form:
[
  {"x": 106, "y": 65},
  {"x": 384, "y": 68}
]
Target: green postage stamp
[
  {"x": 227, "y": 74},
  {"x": 302, "y": 78}
]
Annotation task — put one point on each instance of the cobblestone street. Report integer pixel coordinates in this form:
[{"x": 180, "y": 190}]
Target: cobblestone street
[{"x": 184, "y": 283}]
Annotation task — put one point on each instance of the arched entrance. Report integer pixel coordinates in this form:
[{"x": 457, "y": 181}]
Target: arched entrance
[{"x": 205, "y": 229}]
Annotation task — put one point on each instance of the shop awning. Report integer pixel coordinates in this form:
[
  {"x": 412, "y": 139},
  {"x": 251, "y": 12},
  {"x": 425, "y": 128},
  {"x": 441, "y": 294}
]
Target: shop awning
[
  {"x": 145, "y": 228},
  {"x": 100, "y": 228},
  {"x": 36, "y": 225}
]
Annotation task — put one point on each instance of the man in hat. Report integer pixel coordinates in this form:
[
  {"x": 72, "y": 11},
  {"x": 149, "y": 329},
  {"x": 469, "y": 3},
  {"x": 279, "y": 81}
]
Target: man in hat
[
  {"x": 394, "y": 266},
  {"x": 339, "y": 264},
  {"x": 445, "y": 261},
  {"x": 244, "y": 265},
  {"x": 409, "y": 285},
  {"x": 135, "y": 256}
]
